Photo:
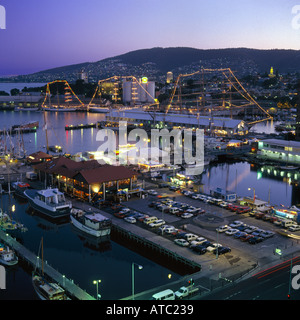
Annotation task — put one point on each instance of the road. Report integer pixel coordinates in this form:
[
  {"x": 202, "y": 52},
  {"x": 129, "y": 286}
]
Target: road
[{"x": 270, "y": 284}]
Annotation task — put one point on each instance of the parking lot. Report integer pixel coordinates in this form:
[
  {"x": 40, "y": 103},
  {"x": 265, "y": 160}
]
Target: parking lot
[{"x": 204, "y": 224}]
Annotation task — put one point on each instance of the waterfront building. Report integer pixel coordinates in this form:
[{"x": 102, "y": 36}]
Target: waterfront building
[
  {"x": 215, "y": 125},
  {"x": 142, "y": 91},
  {"x": 297, "y": 130},
  {"x": 89, "y": 180},
  {"x": 38, "y": 157},
  {"x": 284, "y": 151}
]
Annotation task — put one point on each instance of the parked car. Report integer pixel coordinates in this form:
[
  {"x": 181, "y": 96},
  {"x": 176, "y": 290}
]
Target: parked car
[
  {"x": 223, "y": 204},
  {"x": 250, "y": 229},
  {"x": 239, "y": 234},
  {"x": 198, "y": 241},
  {"x": 223, "y": 228},
  {"x": 231, "y": 231},
  {"x": 199, "y": 249},
  {"x": 267, "y": 234},
  {"x": 170, "y": 230},
  {"x": 246, "y": 237},
  {"x": 119, "y": 215},
  {"x": 254, "y": 240},
  {"x": 186, "y": 215},
  {"x": 213, "y": 246},
  {"x": 235, "y": 224},
  {"x": 130, "y": 219},
  {"x": 294, "y": 228},
  {"x": 222, "y": 250},
  {"x": 182, "y": 242},
  {"x": 206, "y": 243},
  {"x": 157, "y": 223},
  {"x": 152, "y": 192}
]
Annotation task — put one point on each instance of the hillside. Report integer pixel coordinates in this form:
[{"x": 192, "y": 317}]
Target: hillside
[{"x": 155, "y": 62}]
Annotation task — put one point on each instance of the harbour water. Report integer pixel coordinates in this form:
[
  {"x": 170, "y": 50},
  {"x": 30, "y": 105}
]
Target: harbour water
[{"x": 84, "y": 261}]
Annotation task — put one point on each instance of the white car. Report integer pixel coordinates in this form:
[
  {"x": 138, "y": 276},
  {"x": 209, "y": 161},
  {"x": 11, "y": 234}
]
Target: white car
[
  {"x": 186, "y": 215},
  {"x": 152, "y": 192},
  {"x": 157, "y": 223},
  {"x": 213, "y": 246},
  {"x": 223, "y": 228},
  {"x": 130, "y": 219},
  {"x": 231, "y": 232},
  {"x": 198, "y": 241},
  {"x": 223, "y": 204},
  {"x": 170, "y": 230},
  {"x": 182, "y": 242},
  {"x": 235, "y": 224},
  {"x": 294, "y": 228},
  {"x": 125, "y": 210}
]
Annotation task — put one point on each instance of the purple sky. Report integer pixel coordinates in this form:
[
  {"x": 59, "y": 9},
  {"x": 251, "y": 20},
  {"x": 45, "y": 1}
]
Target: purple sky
[{"x": 46, "y": 34}]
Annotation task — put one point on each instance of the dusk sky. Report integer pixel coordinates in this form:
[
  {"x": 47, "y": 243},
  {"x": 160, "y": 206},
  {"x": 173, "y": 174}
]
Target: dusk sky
[{"x": 45, "y": 34}]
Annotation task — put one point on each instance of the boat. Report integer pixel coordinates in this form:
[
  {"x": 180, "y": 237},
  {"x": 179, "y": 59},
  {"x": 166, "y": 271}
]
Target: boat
[
  {"x": 19, "y": 188},
  {"x": 7, "y": 256},
  {"x": 26, "y": 109},
  {"x": 50, "y": 202},
  {"x": 98, "y": 109},
  {"x": 46, "y": 290},
  {"x": 92, "y": 223}
]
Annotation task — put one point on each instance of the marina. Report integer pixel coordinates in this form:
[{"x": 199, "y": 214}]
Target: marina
[{"x": 86, "y": 192}]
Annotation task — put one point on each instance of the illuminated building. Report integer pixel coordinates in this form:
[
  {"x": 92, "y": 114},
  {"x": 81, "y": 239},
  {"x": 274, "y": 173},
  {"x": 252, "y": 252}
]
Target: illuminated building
[
  {"x": 271, "y": 74},
  {"x": 219, "y": 125},
  {"x": 297, "y": 131},
  {"x": 169, "y": 77},
  {"x": 142, "y": 91},
  {"x": 284, "y": 151}
]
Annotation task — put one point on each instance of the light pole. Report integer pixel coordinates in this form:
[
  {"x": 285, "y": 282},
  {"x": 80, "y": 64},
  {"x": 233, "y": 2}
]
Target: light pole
[
  {"x": 132, "y": 276},
  {"x": 253, "y": 193},
  {"x": 96, "y": 282}
]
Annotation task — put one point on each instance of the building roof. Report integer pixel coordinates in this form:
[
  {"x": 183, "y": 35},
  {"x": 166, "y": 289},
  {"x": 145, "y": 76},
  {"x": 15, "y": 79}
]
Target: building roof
[
  {"x": 38, "y": 157},
  {"x": 89, "y": 172},
  {"x": 104, "y": 173},
  {"x": 286, "y": 143}
]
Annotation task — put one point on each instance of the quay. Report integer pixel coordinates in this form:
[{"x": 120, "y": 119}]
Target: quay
[{"x": 72, "y": 289}]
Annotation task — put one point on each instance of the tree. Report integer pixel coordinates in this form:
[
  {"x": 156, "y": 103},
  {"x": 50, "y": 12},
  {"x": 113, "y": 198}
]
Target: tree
[{"x": 14, "y": 92}]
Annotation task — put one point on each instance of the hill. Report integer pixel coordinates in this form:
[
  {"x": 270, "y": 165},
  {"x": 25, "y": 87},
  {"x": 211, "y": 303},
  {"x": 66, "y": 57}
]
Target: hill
[{"x": 155, "y": 62}]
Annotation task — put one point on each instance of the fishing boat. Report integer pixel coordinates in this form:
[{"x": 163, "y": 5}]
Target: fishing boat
[
  {"x": 46, "y": 290},
  {"x": 94, "y": 224},
  {"x": 7, "y": 256},
  {"x": 19, "y": 188},
  {"x": 50, "y": 202}
]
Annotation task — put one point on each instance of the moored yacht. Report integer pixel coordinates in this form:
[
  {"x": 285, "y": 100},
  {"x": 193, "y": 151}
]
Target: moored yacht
[
  {"x": 50, "y": 201},
  {"x": 92, "y": 223},
  {"x": 7, "y": 256}
]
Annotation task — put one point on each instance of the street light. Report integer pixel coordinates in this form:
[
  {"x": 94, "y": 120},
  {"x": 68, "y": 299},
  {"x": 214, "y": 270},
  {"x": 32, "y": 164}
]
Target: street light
[
  {"x": 96, "y": 282},
  {"x": 132, "y": 276},
  {"x": 253, "y": 193}
]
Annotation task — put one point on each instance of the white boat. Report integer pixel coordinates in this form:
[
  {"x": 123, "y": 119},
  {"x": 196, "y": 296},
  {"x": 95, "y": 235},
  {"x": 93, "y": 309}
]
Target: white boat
[
  {"x": 7, "y": 256},
  {"x": 98, "y": 109},
  {"x": 50, "y": 202},
  {"x": 94, "y": 224}
]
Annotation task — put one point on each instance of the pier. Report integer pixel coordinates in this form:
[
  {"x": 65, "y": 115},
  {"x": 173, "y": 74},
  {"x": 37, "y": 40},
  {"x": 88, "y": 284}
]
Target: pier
[
  {"x": 71, "y": 289},
  {"x": 82, "y": 126}
]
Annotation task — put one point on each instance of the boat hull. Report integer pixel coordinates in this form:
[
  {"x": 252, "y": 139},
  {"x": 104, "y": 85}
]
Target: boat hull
[
  {"x": 96, "y": 233},
  {"x": 54, "y": 213},
  {"x": 10, "y": 262}
]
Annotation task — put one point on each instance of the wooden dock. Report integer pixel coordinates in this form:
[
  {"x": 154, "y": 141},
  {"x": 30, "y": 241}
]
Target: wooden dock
[{"x": 72, "y": 289}]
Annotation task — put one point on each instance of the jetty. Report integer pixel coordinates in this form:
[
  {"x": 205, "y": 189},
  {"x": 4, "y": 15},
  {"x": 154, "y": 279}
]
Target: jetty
[{"x": 73, "y": 290}]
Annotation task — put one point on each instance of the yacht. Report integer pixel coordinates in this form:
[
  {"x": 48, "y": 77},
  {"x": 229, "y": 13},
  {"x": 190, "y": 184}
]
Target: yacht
[
  {"x": 50, "y": 202},
  {"x": 7, "y": 256},
  {"x": 19, "y": 188},
  {"x": 94, "y": 224}
]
